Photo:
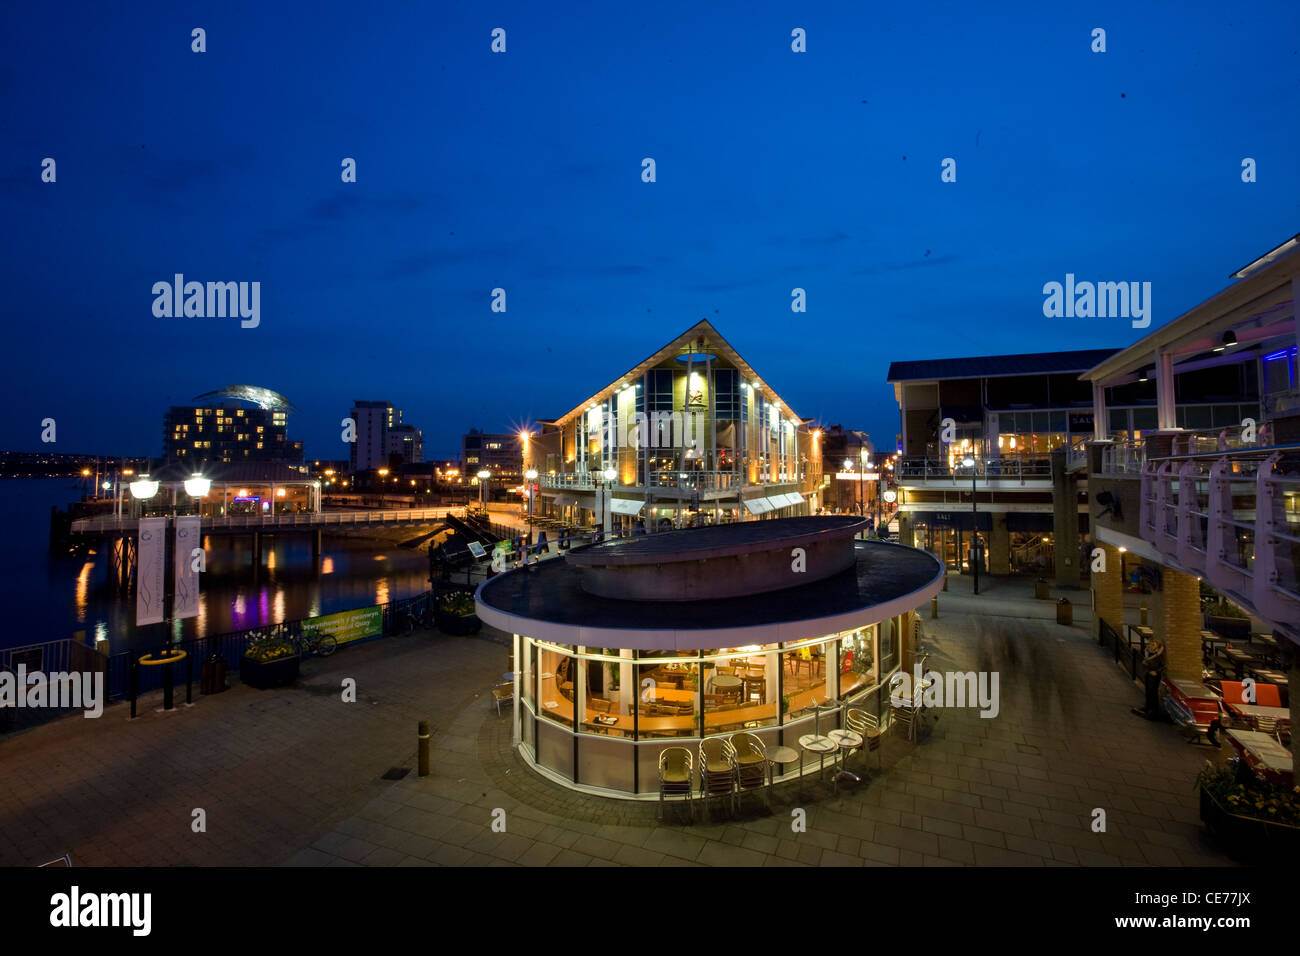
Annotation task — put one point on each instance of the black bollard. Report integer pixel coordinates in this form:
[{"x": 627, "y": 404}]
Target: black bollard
[
  {"x": 167, "y": 687},
  {"x": 134, "y": 683},
  {"x": 189, "y": 679},
  {"x": 424, "y": 748}
]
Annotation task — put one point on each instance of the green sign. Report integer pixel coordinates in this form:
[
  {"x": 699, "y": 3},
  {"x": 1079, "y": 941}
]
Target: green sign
[{"x": 349, "y": 626}]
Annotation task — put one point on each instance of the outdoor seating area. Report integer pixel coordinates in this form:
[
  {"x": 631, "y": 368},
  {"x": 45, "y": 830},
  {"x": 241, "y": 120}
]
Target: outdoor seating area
[
  {"x": 1258, "y": 658},
  {"x": 1253, "y": 719}
]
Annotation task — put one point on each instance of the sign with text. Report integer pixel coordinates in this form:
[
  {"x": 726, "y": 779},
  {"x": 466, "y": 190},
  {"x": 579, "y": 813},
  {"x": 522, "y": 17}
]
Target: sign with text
[
  {"x": 346, "y": 626},
  {"x": 150, "y": 570}
]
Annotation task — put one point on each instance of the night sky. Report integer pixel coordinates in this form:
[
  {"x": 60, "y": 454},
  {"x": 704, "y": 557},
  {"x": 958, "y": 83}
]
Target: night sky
[{"x": 523, "y": 170}]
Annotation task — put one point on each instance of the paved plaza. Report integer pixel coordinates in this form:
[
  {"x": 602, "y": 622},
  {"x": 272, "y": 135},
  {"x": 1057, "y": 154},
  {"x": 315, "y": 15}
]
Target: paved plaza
[{"x": 296, "y": 776}]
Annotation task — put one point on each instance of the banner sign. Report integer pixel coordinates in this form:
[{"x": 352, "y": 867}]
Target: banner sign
[
  {"x": 346, "y": 626},
  {"x": 150, "y": 571},
  {"x": 186, "y": 581}
]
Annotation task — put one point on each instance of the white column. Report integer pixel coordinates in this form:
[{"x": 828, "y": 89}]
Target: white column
[
  {"x": 1100, "y": 415},
  {"x": 518, "y": 676},
  {"x": 1166, "y": 417}
]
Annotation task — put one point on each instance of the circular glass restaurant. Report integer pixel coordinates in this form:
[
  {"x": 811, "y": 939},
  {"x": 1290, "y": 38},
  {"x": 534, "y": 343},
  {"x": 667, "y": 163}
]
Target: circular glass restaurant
[{"x": 630, "y": 646}]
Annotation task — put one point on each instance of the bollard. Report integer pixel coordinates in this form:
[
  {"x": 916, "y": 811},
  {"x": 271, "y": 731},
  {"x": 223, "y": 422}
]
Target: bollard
[
  {"x": 945, "y": 582},
  {"x": 934, "y": 605},
  {"x": 189, "y": 679},
  {"x": 424, "y": 748},
  {"x": 135, "y": 683},
  {"x": 1142, "y": 615}
]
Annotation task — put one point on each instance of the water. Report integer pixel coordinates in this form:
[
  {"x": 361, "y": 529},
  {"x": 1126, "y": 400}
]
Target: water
[{"x": 47, "y": 596}]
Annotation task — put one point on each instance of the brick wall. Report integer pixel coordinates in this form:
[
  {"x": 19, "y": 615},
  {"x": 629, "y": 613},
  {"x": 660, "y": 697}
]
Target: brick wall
[
  {"x": 1108, "y": 587},
  {"x": 1178, "y": 623}
]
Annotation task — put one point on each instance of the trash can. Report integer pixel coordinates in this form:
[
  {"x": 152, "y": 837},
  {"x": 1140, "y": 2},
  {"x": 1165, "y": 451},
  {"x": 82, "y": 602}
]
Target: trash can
[
  {"x": 1064, "y": 611},
  {"x": 213, "y": 680},
  {"x": 1042, "y": 590}
]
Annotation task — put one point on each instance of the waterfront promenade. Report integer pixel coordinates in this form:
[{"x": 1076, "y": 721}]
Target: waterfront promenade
[{"x": 294, "y": 775}]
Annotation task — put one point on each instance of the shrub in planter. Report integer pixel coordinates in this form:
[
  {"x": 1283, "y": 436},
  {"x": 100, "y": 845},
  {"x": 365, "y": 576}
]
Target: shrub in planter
[
  {"x": 269, "y": 662},
  {"x": 454, "y": 614},
  {"x": 1249, "y": 816}
]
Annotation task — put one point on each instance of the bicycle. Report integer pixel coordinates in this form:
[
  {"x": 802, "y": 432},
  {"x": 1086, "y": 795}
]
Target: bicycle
[{"x": 310, "y": 641}]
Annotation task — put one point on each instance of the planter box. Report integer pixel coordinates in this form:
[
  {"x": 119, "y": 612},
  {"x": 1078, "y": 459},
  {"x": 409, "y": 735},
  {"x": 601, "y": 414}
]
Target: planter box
[
  {"x": 1233, "y": 628},
  {"x": 264, "y": 674},
  {"x": 460, "y": 625},
  {"x": 1248, "y": 837}
]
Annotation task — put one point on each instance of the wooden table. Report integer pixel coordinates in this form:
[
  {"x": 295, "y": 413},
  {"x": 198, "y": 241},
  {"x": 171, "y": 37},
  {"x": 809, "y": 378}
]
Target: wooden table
[
  {"x": 670, "y": 693},
  {"x": 1238, "y": 658},
  {"x": 1268, "y": 758}
]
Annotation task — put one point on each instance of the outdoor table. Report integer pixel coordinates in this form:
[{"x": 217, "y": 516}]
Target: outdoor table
[
  {"x": 1192, "y": 705},
  {"x": 1212, "y": 640},
  {"x": 782, "y": 756},
  {"x": 819, "y": 745},
  {"x": 846, "y": 740},
  {"x": 1143, "y": 632},
  {"x": 1239, "y": 659},
  {"x": 1264, "y": 755}
]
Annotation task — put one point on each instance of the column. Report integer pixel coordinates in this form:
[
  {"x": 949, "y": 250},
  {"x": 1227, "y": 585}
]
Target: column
[
  {"x": 1108, "y": 589},
  {"x": 905, "y": 529},
  {"x": 999, "y": 545},
  {"x": 1165, "y": 415},
  {"x": 1100, "y": 415},
  {"x": 1178, "y": 623},
  {"x": 1065, "y": 511}
]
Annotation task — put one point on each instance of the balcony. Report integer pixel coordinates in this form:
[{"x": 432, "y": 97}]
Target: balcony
[
  {"x": 1231, "y": 515},
  {"x": 719, "y": 481},
  {"x": 911, "y": 470}
]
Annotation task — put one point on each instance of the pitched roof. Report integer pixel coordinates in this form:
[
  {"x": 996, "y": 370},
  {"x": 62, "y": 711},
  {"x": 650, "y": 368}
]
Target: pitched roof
[
  {"x": 713, "y": 342},
  {"x": 991, "y": 366}
]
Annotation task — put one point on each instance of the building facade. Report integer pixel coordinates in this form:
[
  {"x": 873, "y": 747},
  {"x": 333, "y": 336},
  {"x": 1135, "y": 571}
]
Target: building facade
[
  {"x": 239, "y": 423},
  {"x": 501, "y": 454},
  {"x": 405, "y": 442},
  {"x": 1208, "y": 493},
  {"x": 374, "y": 421},
  {"x": 1021, "y": 422},
  {"x": 691, "y": 435}
]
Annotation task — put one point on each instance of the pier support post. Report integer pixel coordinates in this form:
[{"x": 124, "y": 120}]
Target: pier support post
[
  {"x": 316, "y": 545},
  {"x": 257, "y": 553}
]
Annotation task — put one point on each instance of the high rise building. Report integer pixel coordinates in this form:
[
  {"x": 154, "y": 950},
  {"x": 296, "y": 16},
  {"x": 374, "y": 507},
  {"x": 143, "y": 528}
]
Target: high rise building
[
  {"x": 406, "y": 441},
  {"x": 237, "y": 423},
  {"x": 374, "y": 420}
]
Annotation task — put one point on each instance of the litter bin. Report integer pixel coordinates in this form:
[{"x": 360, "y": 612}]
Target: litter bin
[
  {"x": 213, "y": 680},
  {"x": 1064, "y": 611},
  {"x": 1042, "y": 590}
]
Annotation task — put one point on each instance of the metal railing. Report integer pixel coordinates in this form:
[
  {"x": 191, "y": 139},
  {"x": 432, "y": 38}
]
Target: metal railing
[
  {"x": 1232, "y": 515},
  {"x": 298, "y": 520},
  {"x": 1008, "y": 467}
]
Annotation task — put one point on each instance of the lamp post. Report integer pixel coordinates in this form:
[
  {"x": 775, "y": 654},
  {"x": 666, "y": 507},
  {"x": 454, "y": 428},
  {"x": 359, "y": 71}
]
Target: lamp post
[
  {"x": 974, "y": 523},
  {"x": 862, "y": 477},
  {"x": 531, "y": 476},
  {"x": 609, "y": 475},
  {"x": 483, "y": 477}
]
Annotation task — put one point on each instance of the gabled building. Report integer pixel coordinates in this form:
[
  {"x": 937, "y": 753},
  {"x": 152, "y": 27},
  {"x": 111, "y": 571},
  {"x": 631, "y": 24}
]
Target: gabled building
[{"x": 691, "y": 435}]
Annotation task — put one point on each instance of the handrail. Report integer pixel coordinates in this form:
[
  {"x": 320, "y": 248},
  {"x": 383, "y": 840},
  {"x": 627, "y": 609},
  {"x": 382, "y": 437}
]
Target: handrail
[{"x": 307, "y": 520}]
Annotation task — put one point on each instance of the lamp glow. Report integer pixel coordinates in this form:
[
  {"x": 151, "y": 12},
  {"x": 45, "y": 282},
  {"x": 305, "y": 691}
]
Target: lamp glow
[
  {"x": 144, "y": 488},
  {"x": 197, "y": 486}
]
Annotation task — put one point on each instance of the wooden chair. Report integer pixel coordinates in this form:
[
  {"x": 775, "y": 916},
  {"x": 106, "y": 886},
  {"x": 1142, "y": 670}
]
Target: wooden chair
[{"x": 676, "y": 777}]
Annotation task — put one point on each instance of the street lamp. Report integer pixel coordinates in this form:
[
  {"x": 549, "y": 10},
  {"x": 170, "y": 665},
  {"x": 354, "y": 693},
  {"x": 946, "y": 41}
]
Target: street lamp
[
  {"x": 862, "y": 511},
  {"x": 609, "y": 474},
  {"x": 531, "y": 476},
  {"x": 483, "y": 477},
  {"x": 969, "y": 462}
]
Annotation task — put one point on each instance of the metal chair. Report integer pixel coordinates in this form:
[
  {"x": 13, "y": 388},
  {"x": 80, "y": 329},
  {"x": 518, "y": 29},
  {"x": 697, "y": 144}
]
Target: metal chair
[
  {"x": 676, "y": 777},
  {"x": 718, "y": 773},
  {"x": 503, "y": 694},
  {"x": 905, "y": 712},
  {"x": 865, "y": 724},
  {"x": 751, "y": 761}
]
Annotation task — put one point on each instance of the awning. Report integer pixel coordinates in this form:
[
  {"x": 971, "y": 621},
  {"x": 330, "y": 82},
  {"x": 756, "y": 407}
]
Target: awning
[
  {"x": 562, "y": 499},
  {"x": 627, "y": 506},
  {"x": 758, "y": 506}
]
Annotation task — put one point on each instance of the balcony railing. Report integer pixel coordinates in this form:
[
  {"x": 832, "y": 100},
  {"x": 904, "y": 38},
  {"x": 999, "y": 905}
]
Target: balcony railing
[
  {"x": 667, "y": 478},
  {"x": 989, "y": 468},
  {"x": 1231, "y": 515}
]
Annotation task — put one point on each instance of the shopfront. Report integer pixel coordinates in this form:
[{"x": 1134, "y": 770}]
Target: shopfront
[{"x": 751, "y": 647}]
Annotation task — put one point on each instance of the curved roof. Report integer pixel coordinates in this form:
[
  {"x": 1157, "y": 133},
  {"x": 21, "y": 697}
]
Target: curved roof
[
  {"x": 261, "y": 397},
  {"x": 547, "y": 601}
]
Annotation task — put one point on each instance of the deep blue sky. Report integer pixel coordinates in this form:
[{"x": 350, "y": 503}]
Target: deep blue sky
[{"x": 523, "y": 170}]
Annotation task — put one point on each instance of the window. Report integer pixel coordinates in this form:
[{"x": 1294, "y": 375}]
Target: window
[{"x": 858, "y": 661}]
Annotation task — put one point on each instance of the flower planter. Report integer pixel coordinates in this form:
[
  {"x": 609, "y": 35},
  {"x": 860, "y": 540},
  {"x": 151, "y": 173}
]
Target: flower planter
[
  {"x": 1248, "y": 837},
  {"x": 264, "y": 674},
  {"x": 460, "y": 625}
]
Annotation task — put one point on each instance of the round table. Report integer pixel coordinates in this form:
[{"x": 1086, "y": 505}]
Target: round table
[
  {"x": 779, "y": 755},
  {"x": 819, "y": 745},
  {"x": 846, "y": 740},
  {"x": 727, "y": 682}
]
